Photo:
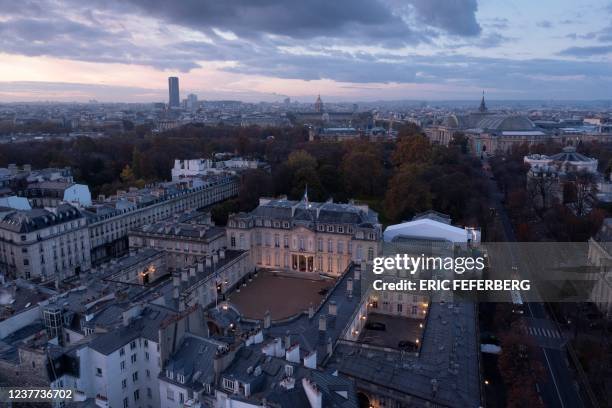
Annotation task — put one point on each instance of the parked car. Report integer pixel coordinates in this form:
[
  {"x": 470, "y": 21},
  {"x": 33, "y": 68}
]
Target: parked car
[
  {"x": 376, "y": 326},
  {"x": 407, "y": 345}
]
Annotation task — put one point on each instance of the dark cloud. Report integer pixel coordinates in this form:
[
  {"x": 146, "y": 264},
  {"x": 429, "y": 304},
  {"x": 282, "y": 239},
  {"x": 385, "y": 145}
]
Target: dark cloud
[
  {"x": 587, "y": 51},
  {"x": 544, "y": 24},
  {"x": 299, "y": 40},
  {"x": 453, "y": 16}
]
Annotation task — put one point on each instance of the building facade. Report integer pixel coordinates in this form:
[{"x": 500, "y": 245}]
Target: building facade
[
  {"x": 306, "y": 237},
  {"x": 44, "y": 244},
  {"x": 108, "y": 229}
]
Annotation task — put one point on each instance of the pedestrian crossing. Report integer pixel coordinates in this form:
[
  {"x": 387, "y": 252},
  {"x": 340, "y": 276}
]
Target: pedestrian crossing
[{"x": 544, "y": 332}]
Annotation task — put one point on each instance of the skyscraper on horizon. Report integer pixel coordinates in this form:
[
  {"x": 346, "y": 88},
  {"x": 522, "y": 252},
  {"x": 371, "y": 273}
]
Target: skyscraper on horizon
[{"x": 173, "y": 92}]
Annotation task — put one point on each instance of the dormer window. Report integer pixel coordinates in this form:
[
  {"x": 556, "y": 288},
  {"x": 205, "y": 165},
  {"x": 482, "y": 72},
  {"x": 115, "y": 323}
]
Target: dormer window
[{"x": 228, "y": 384}]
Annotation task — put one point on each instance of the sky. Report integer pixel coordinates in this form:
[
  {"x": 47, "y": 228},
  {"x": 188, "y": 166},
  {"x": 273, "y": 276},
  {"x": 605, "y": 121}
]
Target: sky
[{"x": 266, "y": 50}]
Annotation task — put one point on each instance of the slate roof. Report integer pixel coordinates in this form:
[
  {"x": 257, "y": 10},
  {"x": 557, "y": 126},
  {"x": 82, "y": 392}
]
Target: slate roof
[
  {"x": 328, "y": 212},
  {"x": 193, "y": 359},
  {"x": 24, "y": 221},
  {"x": 145, "y": 326},
  {"x": 268, "y": 384}
]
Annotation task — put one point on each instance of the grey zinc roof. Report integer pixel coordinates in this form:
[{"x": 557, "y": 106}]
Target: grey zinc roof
[
  {"x": 569, "y": 154},
  {"x": 146, "y": 326},
  {"x": 267, "y": 384},
  {"x": 307, "y": 211},
  {"x": 448, "y": 358},
  {"x": 23, "y": 221},
  {"x": 193, "y": 359}
]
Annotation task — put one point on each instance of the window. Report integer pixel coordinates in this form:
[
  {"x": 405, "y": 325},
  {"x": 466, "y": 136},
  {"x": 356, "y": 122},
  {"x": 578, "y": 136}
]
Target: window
[
  {"x": 121, "y": 351},
  {"x": 399, "y": 308},
  {"x": 149, "y": 392},
  {"x": 135, "y": 376},
  {"x": 125, "y": 403},
  {"x": 148, "y": 373},
  {"x": 228, "y": 384},
  {"x": 169, "y": 394},
  {"x": 181, "y": 397},
  {"x": 136, "y": 395},
  {"x": 414, "y": 310},
  {"x": 147, "y": 356},
  {"x": 146, "y": 343},
  {"x": 133, "y": 345},
  {"x": 122, "y": 365},
  {"x": 133, "y": 358},
  {"x": 124, "y": 383},
  {"x": 370, "y": 254},
  {"x": 98, "y": 372}
]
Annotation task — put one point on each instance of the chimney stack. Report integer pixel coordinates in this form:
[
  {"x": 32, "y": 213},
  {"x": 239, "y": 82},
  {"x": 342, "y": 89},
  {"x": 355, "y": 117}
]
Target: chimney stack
[
  {"x": 310, "y": 311},
  {"x": 287, "y": 340},
  {"x": 267, "y": 320}
]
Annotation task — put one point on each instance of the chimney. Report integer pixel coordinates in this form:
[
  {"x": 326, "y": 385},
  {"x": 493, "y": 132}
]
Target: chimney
[
  {"x": 287, "y": 340},
  {"x": 315, "y": 398},
  {"x": 322, "y": 323},
  {"x": 293, "y": 353},
  {"x": 333, "y": 308},
  {"x": 267, "y": 320},
  {"x": 310, "y": 311},
  {"x": 310, "y": 361}
]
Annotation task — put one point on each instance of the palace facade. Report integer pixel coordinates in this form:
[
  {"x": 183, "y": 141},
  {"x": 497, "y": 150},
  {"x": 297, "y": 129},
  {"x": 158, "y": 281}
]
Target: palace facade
[{"x": 306, "y": 236}]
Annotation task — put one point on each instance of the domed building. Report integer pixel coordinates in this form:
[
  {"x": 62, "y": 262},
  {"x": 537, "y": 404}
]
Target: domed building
[
  {"x": 566, "y": 161},
  {"x": 487, "y": 132}
]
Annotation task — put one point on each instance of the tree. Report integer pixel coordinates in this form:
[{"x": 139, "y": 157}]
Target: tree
[
  {"x": 363, "y": 172},
  {"x": 407, "y": 194},
  {"x": 414, "y": 148},
  {"x": 541, "y": 188},
  {"x": 127, "y": 175}
]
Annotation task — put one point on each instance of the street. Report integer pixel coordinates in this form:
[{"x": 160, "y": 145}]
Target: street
[{"x": 560, "y": 389}]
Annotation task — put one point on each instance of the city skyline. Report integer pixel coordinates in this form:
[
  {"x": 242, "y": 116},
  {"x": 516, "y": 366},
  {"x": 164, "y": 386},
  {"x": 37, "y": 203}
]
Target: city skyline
[{"x": 384, "y": 50}]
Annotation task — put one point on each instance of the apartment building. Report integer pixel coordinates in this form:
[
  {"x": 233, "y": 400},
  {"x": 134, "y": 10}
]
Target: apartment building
[{"x": 44, "y": 244}]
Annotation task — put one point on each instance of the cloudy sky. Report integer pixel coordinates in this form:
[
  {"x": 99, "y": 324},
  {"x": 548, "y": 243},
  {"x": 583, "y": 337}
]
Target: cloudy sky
[{"x": 357, "y": 50}]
